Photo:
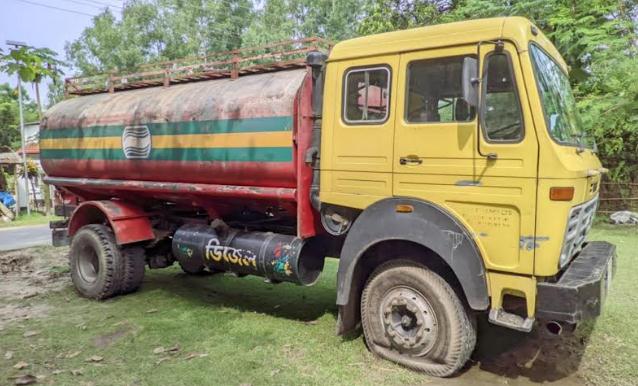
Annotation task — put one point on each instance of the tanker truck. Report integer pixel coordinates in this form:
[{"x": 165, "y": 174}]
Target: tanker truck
[{"x": 444, "y": 166}]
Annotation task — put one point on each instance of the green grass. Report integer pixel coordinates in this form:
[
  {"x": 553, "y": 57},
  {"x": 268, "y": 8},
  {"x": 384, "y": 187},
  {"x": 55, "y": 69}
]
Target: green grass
[
  {"x": 259, "y": 334},
  {"x": 253, "y": 333},
  {"x": 611, "y": 350},
  {"x": 34, "y": 218}
]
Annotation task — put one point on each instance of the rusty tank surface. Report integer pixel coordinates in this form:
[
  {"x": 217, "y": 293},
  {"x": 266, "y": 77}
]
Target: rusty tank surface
[
  {"x": 238, "y": 139},
  {"x": 228, "y": 131}
]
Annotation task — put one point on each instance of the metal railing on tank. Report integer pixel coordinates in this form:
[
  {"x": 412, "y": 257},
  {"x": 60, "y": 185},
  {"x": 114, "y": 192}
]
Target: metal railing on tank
[{"x": 228, "y": 64}]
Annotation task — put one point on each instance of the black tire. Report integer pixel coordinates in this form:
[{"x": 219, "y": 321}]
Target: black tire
[
  {"x": 411, "y": 316},
  {"x": 97, "y": 268},
  {"x": 134, "y": 265}
]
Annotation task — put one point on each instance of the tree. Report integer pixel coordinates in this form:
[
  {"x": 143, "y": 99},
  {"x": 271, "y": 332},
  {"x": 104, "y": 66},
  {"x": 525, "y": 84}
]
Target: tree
[
  {"x": 261, "y": 31},
  {"x": 330, "y": 19},
  {"x": 392, "y": 15},
  {"x": 32, "y": 65},
  {"x": 9, "y": 119},
  {"x": 157, "y": 30}
]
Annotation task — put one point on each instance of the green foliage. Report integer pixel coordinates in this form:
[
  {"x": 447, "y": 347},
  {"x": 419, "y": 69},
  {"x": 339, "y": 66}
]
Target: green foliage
[
  {"x": 9, "y": 115},
  {"x": 155, "y": 30},
  {"x": 391, "y": 15},
  {"x": 55, "y": 93},
  {"x": 31, "y": 64}
]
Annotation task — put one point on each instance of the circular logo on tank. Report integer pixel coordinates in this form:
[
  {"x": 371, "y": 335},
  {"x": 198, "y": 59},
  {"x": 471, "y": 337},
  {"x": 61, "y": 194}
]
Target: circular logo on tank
[{"x": 136, "y": 142}]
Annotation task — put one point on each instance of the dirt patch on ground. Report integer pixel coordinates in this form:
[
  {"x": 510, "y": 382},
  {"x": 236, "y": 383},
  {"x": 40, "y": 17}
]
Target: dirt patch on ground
[
  {"x": 28, "y": 274},
  {"x": 109, "y": 339},
  {"x": 509, "y": 357}
]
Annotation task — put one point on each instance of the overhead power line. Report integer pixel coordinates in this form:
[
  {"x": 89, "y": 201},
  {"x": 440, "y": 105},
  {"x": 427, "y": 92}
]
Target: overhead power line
[
  {"x": 102, "y": 3},
  {"x": 94, "y": 4},
  {"x": 56, "y": 8}
]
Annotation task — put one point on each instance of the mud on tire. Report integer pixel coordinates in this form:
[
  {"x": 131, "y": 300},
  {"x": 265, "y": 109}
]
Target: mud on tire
[
  {"x": 97, "y": 267},
  {"x": 411, "y": 316}
]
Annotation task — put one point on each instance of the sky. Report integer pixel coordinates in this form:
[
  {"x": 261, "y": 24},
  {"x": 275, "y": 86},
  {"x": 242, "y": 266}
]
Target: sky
[{"x": 39, "y": 24}]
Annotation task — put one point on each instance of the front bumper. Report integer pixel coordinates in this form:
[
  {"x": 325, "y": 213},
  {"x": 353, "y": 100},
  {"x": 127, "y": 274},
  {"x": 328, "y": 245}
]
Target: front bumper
[{"x": 580, "y": 291}]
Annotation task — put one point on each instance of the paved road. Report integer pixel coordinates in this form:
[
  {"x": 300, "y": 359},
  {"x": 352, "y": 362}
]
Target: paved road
[{"x": 24, "y": 237}]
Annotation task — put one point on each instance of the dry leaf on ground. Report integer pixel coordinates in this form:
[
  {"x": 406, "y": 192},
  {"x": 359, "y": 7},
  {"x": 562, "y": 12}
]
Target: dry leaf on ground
[
  {"x": 26, "y": 379},
  {"x": 73, "y": 354},
  {"x": 20, "y": 365}
]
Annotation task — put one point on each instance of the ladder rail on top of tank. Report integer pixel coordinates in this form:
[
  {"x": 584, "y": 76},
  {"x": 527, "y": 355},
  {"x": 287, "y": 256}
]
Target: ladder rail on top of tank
[{"x": 228, "y": 64}]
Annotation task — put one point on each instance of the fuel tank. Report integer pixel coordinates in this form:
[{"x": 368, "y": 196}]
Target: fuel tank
[
  {"x": 274, "y": 256},
  {"x": 225, "y": 131}
]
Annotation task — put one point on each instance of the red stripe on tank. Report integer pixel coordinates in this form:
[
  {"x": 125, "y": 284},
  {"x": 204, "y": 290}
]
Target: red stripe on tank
[{"x": 281, "y": 175}]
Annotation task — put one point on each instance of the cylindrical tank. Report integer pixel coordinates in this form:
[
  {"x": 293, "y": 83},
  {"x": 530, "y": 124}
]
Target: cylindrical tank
[
  {"x": 275, "y": 256},
  {"x": 223, "y": 131}
]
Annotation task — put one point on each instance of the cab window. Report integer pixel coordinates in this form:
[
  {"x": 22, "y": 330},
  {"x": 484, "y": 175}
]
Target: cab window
[
  {"x": 435, "y": 91},
  {"x": 502, "y": 118},
  {"x": 366, "y": 95}
]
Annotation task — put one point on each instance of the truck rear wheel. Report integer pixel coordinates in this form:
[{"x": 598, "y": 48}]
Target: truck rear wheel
[
  {"x": 134, "y": 265},
  {"x": 411, "y": 316},
  {"x": 97, "y": 268}
]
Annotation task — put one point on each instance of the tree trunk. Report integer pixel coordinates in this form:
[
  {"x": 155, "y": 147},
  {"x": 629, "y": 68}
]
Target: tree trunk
[
  {"x": 35, "y": 197},
  {"x": 37, "y": 99}
]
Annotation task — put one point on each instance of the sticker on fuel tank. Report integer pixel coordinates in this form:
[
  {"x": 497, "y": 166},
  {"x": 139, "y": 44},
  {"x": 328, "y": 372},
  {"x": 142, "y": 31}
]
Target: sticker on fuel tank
[{"x": 136, "y": 142}]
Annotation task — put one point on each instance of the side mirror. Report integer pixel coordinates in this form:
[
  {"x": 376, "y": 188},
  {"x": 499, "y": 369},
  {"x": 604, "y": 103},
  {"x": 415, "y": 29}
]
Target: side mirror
[{"x": 470, "y": 82}]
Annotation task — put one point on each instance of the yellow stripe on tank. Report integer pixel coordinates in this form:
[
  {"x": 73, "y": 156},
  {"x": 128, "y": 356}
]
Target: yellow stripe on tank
[
  {"x": 226, "y": 140},
  {"x": 82, "y": 143},
  {"x": 267, "y": 139}
]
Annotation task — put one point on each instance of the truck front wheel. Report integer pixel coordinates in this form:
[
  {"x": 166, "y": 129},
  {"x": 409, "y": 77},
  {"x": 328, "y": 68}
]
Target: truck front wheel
[
  {"x": 97, "y": 266},
  {"x": 411, "y": 316}
]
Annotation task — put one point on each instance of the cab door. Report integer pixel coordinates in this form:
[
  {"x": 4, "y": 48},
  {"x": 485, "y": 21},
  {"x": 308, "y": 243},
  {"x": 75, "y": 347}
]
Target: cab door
[
  {"x": 357, "y": 149},
  {"x": 486, "y": 176}
]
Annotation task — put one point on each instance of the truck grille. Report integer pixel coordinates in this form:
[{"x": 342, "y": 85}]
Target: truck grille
[{"x": 579, "y": 223}]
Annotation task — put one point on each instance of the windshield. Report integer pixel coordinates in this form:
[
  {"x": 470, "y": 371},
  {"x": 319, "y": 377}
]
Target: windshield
[{"x": 559, "y": 105}]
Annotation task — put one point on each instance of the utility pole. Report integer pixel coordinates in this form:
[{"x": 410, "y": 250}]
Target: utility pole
[{"x": 22, "y": 138}]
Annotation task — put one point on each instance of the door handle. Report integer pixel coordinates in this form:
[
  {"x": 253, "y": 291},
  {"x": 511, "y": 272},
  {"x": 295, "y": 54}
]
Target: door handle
[{"x": 410, "y": 160}]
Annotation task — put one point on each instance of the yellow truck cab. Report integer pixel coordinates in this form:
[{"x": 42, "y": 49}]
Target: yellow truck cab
[{"x": 462, "y": 148}]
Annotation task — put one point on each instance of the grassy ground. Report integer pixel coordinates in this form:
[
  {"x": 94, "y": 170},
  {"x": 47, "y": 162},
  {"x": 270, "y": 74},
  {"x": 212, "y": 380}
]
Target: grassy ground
[
  {"x": 34, "y": 218},
  {"x": 611, "y": 353},
  {"x": 182, "y": 330}
]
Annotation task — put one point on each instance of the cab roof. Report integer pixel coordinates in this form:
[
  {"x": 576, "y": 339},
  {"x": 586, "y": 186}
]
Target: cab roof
[{"x": 515, "y": 29}]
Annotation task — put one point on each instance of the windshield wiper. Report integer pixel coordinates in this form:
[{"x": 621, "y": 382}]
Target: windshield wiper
[{"x": 579, "y": 140}]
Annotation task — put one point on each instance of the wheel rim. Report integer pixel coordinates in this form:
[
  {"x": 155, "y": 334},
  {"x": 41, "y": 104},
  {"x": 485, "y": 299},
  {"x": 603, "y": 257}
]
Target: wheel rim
[
  {"x": 89, "y": 265},
  {"x": 409, "y": 321}
]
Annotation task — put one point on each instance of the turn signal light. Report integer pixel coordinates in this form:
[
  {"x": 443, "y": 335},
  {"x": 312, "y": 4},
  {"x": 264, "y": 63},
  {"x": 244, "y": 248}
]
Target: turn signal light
[{"x": 561, "y": 193}]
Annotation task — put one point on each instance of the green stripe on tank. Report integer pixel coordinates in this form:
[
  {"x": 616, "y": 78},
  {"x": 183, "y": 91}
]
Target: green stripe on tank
[
  {"x": 244, "y": 154},
  {"x": 219, "y": 126}
]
